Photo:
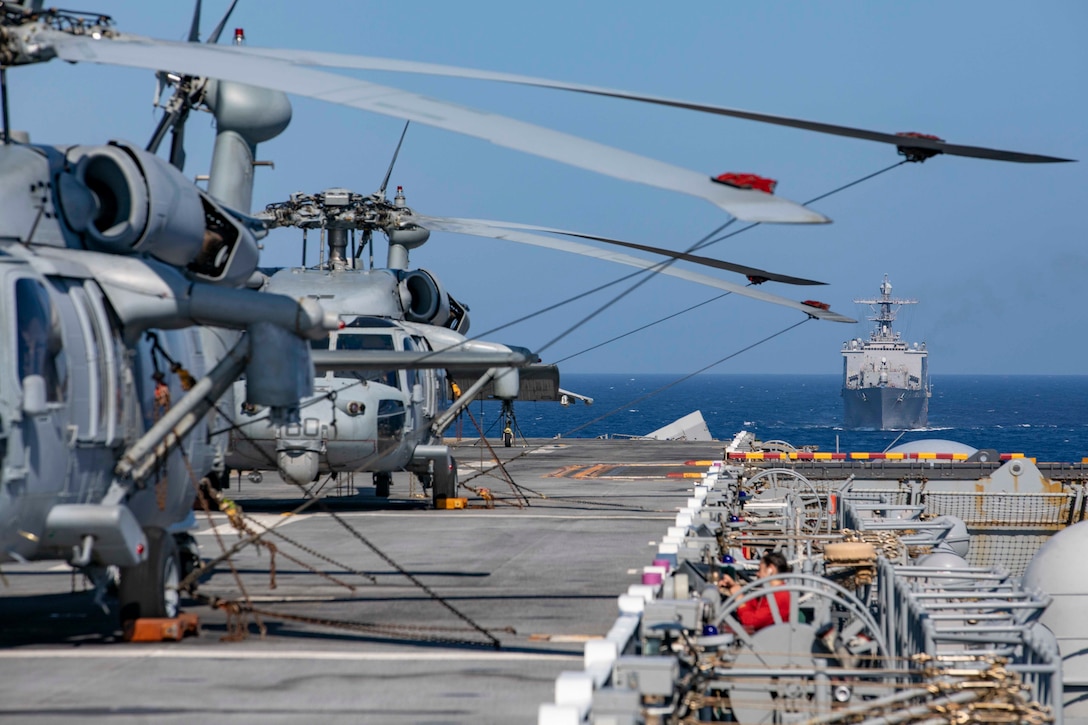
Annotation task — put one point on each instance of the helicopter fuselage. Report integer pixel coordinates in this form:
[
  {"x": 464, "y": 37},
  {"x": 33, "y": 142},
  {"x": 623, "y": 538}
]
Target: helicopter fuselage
[
  {"x": 362, "y": 418},
  {"x": 112, "y": 307},
  {"x": 357, "y": 420},
  {"x": 73, "y": 396}
]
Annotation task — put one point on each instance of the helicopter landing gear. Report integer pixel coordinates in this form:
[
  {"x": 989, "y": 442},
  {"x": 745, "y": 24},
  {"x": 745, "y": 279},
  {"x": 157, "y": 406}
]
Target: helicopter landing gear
[
  {"x": 188, "y": 555},
  {"x": 219, "y": 480},
  {"x": 509, "y": 423},
  {"x": 382, "y": 482},
  {"x": 150, "y": 589},
  {"x": 445, "y": 481}
]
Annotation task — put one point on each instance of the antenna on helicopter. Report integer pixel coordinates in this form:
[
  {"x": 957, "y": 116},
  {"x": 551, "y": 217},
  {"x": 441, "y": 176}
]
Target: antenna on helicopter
[
  {"x": 368, "y": 237},
  {"x": 392, "y": 162}
]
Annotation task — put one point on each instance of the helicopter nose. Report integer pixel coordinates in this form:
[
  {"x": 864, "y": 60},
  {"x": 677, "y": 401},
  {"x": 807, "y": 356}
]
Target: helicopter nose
[
  {"x": 298, "y": 452},
  {"x": 298, "y": 466}
]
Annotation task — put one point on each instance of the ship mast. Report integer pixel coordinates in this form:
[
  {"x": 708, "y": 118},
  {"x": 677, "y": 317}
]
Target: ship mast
[{"x": 884, "y": 308}]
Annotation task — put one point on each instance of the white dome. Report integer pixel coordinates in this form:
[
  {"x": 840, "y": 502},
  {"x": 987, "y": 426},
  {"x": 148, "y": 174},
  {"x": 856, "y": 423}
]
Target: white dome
[
  {"x": 948, "y": 563},
  {"x": 934, "y": 445},
  {"x": 1057, "y": 569}
]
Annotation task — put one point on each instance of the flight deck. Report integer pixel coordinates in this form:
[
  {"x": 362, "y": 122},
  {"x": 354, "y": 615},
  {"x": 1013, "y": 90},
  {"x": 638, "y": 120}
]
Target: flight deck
[{"x": 386, "y": 610}]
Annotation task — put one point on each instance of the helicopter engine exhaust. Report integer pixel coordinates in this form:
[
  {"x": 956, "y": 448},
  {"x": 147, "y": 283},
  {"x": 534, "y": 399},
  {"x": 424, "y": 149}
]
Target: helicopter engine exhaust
[
  {"x": 424, "y": 298},
  {"x": 123, "y": 200}
]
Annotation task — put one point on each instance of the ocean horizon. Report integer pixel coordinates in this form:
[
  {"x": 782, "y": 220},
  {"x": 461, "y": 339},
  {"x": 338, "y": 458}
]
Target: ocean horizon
[{"x": 1041, "y": 416}]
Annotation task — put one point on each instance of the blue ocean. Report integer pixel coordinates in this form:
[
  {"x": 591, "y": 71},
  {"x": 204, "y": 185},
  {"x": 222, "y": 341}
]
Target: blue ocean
[{"x": 1045, "y": 417}]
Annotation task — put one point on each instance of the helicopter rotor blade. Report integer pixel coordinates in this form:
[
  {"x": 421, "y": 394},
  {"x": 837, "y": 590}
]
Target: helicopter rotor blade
[
  {"x": 752, "y": 273},
  {"x": 469, "y": 226},
  {"x": 177, "y": 141},
  {"x": 159, "y": 133},
  {"x": 930, "y": 144},
  {"x": 238, "y": 64}
]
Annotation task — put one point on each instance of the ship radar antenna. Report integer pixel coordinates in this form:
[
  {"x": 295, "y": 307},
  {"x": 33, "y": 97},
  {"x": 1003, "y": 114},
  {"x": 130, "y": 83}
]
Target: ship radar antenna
[{"x": 884, "y": 310}]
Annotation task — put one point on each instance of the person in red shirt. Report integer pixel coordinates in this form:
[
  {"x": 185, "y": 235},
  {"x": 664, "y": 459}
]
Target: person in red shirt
[{"x": 755, "y": 613}]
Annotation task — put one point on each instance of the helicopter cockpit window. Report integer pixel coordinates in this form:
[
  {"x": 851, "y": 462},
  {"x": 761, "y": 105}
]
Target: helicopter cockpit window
[
  {"x": 368, "y": 341},
  {"x": 391, "y": 418},
  {"x": 41, "y": 348},
  {"x": 411, "y": 374}
]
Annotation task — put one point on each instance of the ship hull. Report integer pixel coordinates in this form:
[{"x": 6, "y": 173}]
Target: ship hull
[{"x": 885, "y": 408}]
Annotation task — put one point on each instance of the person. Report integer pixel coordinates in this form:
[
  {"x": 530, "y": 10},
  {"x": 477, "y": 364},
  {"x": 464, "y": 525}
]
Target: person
[
  {"x": 755, "y": 612},
  {"x": 508, "y": 436},
  {"x": 40, "y": 347},
  {"x": 213, "y": 254}
]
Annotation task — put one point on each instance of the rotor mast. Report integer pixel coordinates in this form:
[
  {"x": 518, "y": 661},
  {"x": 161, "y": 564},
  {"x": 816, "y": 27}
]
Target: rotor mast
[
  {"x": 245, "y": 116},
  {"x": 336, "y": 211}
]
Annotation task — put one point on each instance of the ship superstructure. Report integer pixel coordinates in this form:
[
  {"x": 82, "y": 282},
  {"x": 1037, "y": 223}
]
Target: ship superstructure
[{"x": 885, "y": 381}]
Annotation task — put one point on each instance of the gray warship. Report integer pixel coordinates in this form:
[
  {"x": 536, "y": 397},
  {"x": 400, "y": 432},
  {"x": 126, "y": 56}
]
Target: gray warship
[{"x": 885, "y": 381}]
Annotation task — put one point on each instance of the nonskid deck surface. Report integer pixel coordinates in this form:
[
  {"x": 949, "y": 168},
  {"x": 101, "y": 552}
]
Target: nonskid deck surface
[{"x": 540, "y": 573}]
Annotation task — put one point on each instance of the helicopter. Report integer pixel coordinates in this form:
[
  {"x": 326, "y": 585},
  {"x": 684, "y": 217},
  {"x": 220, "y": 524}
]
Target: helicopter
[{"x": 115, "y": 273}]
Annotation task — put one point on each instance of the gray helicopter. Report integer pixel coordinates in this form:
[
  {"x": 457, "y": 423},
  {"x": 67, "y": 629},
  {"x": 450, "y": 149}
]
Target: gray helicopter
[
  {"x": 369, "y": 412},
  {"x": 127, "y": 315}
]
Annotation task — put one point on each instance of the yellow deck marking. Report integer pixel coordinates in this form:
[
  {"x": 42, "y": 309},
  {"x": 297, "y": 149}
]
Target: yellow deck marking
[
  {"x": 592, "y": 471},
  {"x": 563, "y": 637}
]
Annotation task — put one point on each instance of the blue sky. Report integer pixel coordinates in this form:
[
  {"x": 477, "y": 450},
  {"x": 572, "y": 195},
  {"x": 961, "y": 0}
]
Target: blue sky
[{"x": 993, "y": 251}]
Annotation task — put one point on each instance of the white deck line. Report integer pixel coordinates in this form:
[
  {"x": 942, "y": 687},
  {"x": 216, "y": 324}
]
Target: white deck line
[
  {"x": 574, "y": 689},
  {"x": 134, "y": 652}
]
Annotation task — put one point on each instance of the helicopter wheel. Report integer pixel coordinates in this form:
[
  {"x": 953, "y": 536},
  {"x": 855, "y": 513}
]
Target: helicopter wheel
[
  {"x": 382, "y": 483},
  {"x": 445, "y": 481},
  {"x": 150, "y": 589},
  {"x": 188, "y": 555}
]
